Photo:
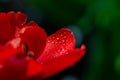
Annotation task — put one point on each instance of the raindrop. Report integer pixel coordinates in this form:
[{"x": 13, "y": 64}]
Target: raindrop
[
  {"x": 65, "y": 36},
  {"x": 63, "y": 50},
  {"x": 52, "y": 42},
  {"x": 63, "y": 40},
  {"x": 48, "y": 41},
  {"x": 57, "y": 38},
  {"x": 61, "y": 35},
  {"x": 72, "y": 33}
]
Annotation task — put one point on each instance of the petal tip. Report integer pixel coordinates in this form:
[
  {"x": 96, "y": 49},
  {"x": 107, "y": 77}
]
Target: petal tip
[{"x": 83, "y": 49}]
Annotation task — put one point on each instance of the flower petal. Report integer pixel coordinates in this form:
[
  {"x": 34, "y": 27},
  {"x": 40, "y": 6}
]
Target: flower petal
[
  {"x": 20, "y": 19},
  {"x": 14, "y": 68},
  {"x": 58, "y": 50},
  {"x": 12, "y": 65},
  {"x": 59, "y": 43},
  {"x": 33, "y": 68},
  {"x": 6, "y": 30},
  {"x": 62, "y": 62},
  {"x": 11, "y": 19},
  {"x": 35, "y": 38}
]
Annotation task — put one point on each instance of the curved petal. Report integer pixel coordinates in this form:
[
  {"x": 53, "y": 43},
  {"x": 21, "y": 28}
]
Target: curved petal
[
  {"x": 35, "y": 38},
  {"x": 62, "y": 62},
  {"x": 11, "y": 19},
  {"x": 6, "y": 30},
  {"x": 8, "y": 22},
  {"x": 11, "y": 48},
  {"x": 14, "y": 68},
  {"x": 33, "y": 68},
  {"x": 1, "y": 48},
  {"x": 59, "y": 43},
  {"x": 12, "y": 64},
  {"x": 20, "y": 19},
  {"x": 59, "y": 49}
]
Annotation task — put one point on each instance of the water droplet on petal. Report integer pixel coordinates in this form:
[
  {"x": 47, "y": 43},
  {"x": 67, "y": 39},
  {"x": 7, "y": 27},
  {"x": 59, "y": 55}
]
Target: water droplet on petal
[
  {"x": 63, "y": 40},
  {"x": 57, "y": 38},
  {"x": 52, "y": 42},
  {"x": 65, "y": 37},
  {"x": 63, "y": 50},
  {"x": 48, "y": 41}
]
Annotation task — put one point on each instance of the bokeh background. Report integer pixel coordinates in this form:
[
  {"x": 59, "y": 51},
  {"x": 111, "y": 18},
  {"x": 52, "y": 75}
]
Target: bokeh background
[{"x": 96, "y": 23}]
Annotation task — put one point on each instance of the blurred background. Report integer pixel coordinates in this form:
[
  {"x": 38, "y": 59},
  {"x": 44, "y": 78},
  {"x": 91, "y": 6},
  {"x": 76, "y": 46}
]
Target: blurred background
[{"x": 96, "y": 23}]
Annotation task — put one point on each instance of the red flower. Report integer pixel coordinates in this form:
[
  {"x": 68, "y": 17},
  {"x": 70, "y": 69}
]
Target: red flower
[
  {"x": 29, "y": 53},
  {"x": 8, "y": 23}
]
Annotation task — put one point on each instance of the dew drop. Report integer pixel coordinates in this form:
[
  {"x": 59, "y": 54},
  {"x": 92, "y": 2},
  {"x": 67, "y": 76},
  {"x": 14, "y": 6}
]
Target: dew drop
[
  {"x": 63, "y": 40},
  {"x": 72, "y": 33},
  {"x": 64, "y": 33},
  {"x": 61, "y": 35},
  {"x": 65, "y": 36},
  {"x": 52, "y": 42},
  {"x": 48, "y": 41},
  {"x": 57, "y": 38},
  {"x": 63, "y": 50}
]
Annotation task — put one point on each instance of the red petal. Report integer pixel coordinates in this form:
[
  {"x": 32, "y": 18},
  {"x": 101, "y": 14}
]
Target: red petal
[
  {"x": 6, "y": 53},
  {"x": 11, "y": 48},
  {"x": 20, "y": 19},
  {"x": 11, "y": 18},
  {"x": 32, "y": 23},
  {"x": 57, "y": 50},
  {"x": 6, "y": 30},
  {"x": 14, "y": 68},
  {"x": 33, "y": 68},
  {"x": 1, "y": 47},
  {"x": 62, "y": 62},
  {"x": 35, "y": 37},
  {"x": 58, "y": 44}
]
